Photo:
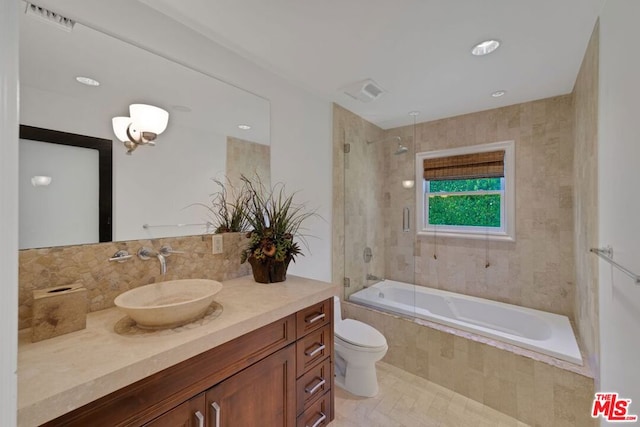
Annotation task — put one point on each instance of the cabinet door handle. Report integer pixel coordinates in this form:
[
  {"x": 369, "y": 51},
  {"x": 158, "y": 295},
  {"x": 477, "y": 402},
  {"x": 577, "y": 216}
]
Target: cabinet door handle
[
  {"x": 319, "y": 420},
  {"x": 316, "y": 351},
  {"x": 200, "y": 418},
  {"x": 311, "y": 390},
  {"x": 216, "y": 408},
  {"x": 315, "y": 318}
]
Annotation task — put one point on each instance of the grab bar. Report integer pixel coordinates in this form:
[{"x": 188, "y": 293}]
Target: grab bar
[{"x": 607, "y": 255}]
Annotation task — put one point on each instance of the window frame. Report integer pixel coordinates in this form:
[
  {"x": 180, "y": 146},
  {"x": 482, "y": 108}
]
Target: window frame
[{"x": 505, "y": 233}]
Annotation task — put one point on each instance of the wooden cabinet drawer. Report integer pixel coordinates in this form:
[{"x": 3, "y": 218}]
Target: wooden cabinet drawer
[
  {"x": 313, "y": 384},
  {"x": 314, "y": 317},
  {"x": 318, "y": 414},
  {"x": 313, "y": 348}
]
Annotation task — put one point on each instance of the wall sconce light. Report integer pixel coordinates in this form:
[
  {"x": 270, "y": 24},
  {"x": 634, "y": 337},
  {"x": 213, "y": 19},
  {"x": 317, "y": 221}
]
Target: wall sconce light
[
  {"x": 408, "y": 183},
  {"x": 143, "y": 127},
  {"x": 40, "y": 180}
]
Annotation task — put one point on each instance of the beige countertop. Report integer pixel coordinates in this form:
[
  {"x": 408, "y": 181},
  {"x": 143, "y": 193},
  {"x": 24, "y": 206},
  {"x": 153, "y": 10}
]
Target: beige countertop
[{"x": 63, "y": 373}]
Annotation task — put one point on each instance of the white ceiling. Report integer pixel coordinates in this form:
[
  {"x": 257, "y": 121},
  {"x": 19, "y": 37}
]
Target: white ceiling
[{"x": 417, "y": 50}]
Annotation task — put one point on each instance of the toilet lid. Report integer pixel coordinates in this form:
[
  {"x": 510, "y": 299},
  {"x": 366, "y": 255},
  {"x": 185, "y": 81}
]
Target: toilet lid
[{"x": 360, "y": 334}]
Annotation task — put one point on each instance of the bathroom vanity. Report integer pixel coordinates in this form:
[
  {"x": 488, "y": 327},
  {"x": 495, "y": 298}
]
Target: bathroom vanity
[{"x": 266, "y": 359}]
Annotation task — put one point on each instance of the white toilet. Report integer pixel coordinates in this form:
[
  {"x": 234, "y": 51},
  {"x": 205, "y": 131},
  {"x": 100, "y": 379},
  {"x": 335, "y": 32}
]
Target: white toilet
[{"x": 358, "y": 347}]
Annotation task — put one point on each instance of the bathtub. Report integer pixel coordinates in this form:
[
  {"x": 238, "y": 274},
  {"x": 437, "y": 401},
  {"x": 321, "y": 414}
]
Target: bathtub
[{"x": 536, "y": 330}]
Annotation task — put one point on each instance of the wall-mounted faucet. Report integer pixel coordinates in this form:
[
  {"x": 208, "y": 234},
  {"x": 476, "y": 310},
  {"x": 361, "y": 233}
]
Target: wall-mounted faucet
[{"x": 145, "y": 253}]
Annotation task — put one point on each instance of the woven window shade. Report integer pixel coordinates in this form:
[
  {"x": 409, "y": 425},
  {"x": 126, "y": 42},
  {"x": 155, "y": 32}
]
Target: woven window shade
[{"x": 465, "y": 166}]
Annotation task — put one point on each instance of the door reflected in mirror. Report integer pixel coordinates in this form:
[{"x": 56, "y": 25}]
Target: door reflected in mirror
[{"x": 215, "y": 129}]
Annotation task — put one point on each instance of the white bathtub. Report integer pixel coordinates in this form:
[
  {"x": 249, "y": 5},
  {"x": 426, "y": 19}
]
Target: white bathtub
[{"x": 535, "y": 330}]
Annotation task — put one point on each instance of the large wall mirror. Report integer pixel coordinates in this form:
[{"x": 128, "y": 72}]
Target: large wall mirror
[{"x": 155, "y": 188}]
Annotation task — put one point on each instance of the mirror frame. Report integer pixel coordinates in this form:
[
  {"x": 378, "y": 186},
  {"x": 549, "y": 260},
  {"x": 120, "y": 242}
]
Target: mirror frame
[{"x": 105, "y": 168}]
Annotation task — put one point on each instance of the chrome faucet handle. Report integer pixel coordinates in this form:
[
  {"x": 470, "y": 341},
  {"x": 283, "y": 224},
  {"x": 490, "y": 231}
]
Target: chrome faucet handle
[
  {"x": 120, "y": 256},
  {"x": 166, "y": 250},
  {"x": 145, "y": 253}
]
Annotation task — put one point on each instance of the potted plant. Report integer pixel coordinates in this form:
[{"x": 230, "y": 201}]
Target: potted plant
[
  {"x": 227, "y": 209},
  {"x": 275, "y": 222}
]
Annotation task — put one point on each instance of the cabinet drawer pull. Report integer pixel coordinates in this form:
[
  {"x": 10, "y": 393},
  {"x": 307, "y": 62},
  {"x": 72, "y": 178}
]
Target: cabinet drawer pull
[
  {"x": 315, "y": 318},
  {"x": 319, "y": 420},
  {"x": 216, "y": 408},
  {"x": 200, "y": 418},
  {"x": 311, "y": 390},
  {"x": 316, "y": 351}
]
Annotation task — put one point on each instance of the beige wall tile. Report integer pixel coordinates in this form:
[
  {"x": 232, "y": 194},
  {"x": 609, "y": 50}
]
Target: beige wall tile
[
  {"x": 104, "y": 280},
  {"x": 249, "y": 159}
]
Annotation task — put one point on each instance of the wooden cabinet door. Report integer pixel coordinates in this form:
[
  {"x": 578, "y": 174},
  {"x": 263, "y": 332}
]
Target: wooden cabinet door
[
  {"x": 261, "y": 395},
  {"x": 189, "y": 414}
]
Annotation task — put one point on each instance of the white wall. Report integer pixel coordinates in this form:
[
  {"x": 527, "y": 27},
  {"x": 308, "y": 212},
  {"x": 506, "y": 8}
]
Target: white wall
[
  {"x": 300, "y": 122},
  {"x": 8, "y": 209},
  {"x": 619, "y": 199},
  {"x": 65, "y": 211}
]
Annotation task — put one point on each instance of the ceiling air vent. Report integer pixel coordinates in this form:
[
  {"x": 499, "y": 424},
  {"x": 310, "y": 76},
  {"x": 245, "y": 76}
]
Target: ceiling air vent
[
  {"x": 46, "y": 15},
  {"x": 365, "y": 91}
]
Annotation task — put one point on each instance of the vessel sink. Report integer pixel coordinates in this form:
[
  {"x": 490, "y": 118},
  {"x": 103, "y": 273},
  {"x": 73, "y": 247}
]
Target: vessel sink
[{"x": 168, "y": 304}]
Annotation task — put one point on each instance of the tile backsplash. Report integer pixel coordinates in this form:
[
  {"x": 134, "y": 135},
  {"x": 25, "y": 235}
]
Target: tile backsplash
[{"x": 104, "y": 280}]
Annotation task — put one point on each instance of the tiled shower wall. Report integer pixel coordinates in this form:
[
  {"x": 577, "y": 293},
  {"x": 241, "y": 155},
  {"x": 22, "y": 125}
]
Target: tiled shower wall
[
  {"x": 537, "y": 270},
  {"x": 586, "y": 197},
  {"x": 104, "y": 280}
]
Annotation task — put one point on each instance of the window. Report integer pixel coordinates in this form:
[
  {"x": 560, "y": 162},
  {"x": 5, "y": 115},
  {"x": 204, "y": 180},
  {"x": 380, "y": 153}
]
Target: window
[{"x": 467, "y": 192}]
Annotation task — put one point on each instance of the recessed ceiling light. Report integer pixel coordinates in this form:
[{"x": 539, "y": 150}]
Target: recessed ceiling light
[
  {"x": 244, "y": 127},
  {"x": 40, "y": 180},
  {"x": 181, "y": 108},
  {"x": 498, "y": 93},
  {"x": 87, "y": 81},
  {"x": 485, "y": 48}
]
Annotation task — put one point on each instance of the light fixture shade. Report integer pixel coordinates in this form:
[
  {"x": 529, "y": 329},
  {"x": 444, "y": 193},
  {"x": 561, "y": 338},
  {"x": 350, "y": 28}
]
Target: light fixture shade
[
  {"x": 148, "y": 118},
  {"x": 120, "y": 125}
]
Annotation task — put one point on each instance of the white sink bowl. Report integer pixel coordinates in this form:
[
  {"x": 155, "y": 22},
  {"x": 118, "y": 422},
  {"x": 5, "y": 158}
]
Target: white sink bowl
[{"x": 168, "y": 304}]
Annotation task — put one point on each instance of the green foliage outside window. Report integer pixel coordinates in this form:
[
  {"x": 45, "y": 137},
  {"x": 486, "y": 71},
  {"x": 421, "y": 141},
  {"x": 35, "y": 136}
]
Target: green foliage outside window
[
  {"x": 481, "y": 210},
  {"x": 482, "y": 184}
]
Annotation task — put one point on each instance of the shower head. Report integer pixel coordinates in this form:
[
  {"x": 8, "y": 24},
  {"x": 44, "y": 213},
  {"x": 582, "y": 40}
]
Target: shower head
[{"x": 401, "y": 149}]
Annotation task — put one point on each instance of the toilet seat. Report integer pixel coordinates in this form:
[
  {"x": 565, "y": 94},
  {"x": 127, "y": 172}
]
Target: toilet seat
[{"x": 359, "y": 334}]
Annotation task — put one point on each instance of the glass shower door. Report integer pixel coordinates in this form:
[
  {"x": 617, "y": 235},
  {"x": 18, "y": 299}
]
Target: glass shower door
[{"x": 379, "y": 208}]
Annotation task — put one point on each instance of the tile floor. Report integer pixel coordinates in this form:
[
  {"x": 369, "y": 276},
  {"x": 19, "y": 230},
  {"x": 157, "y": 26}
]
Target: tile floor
[{"x": 406, "y": 400}]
